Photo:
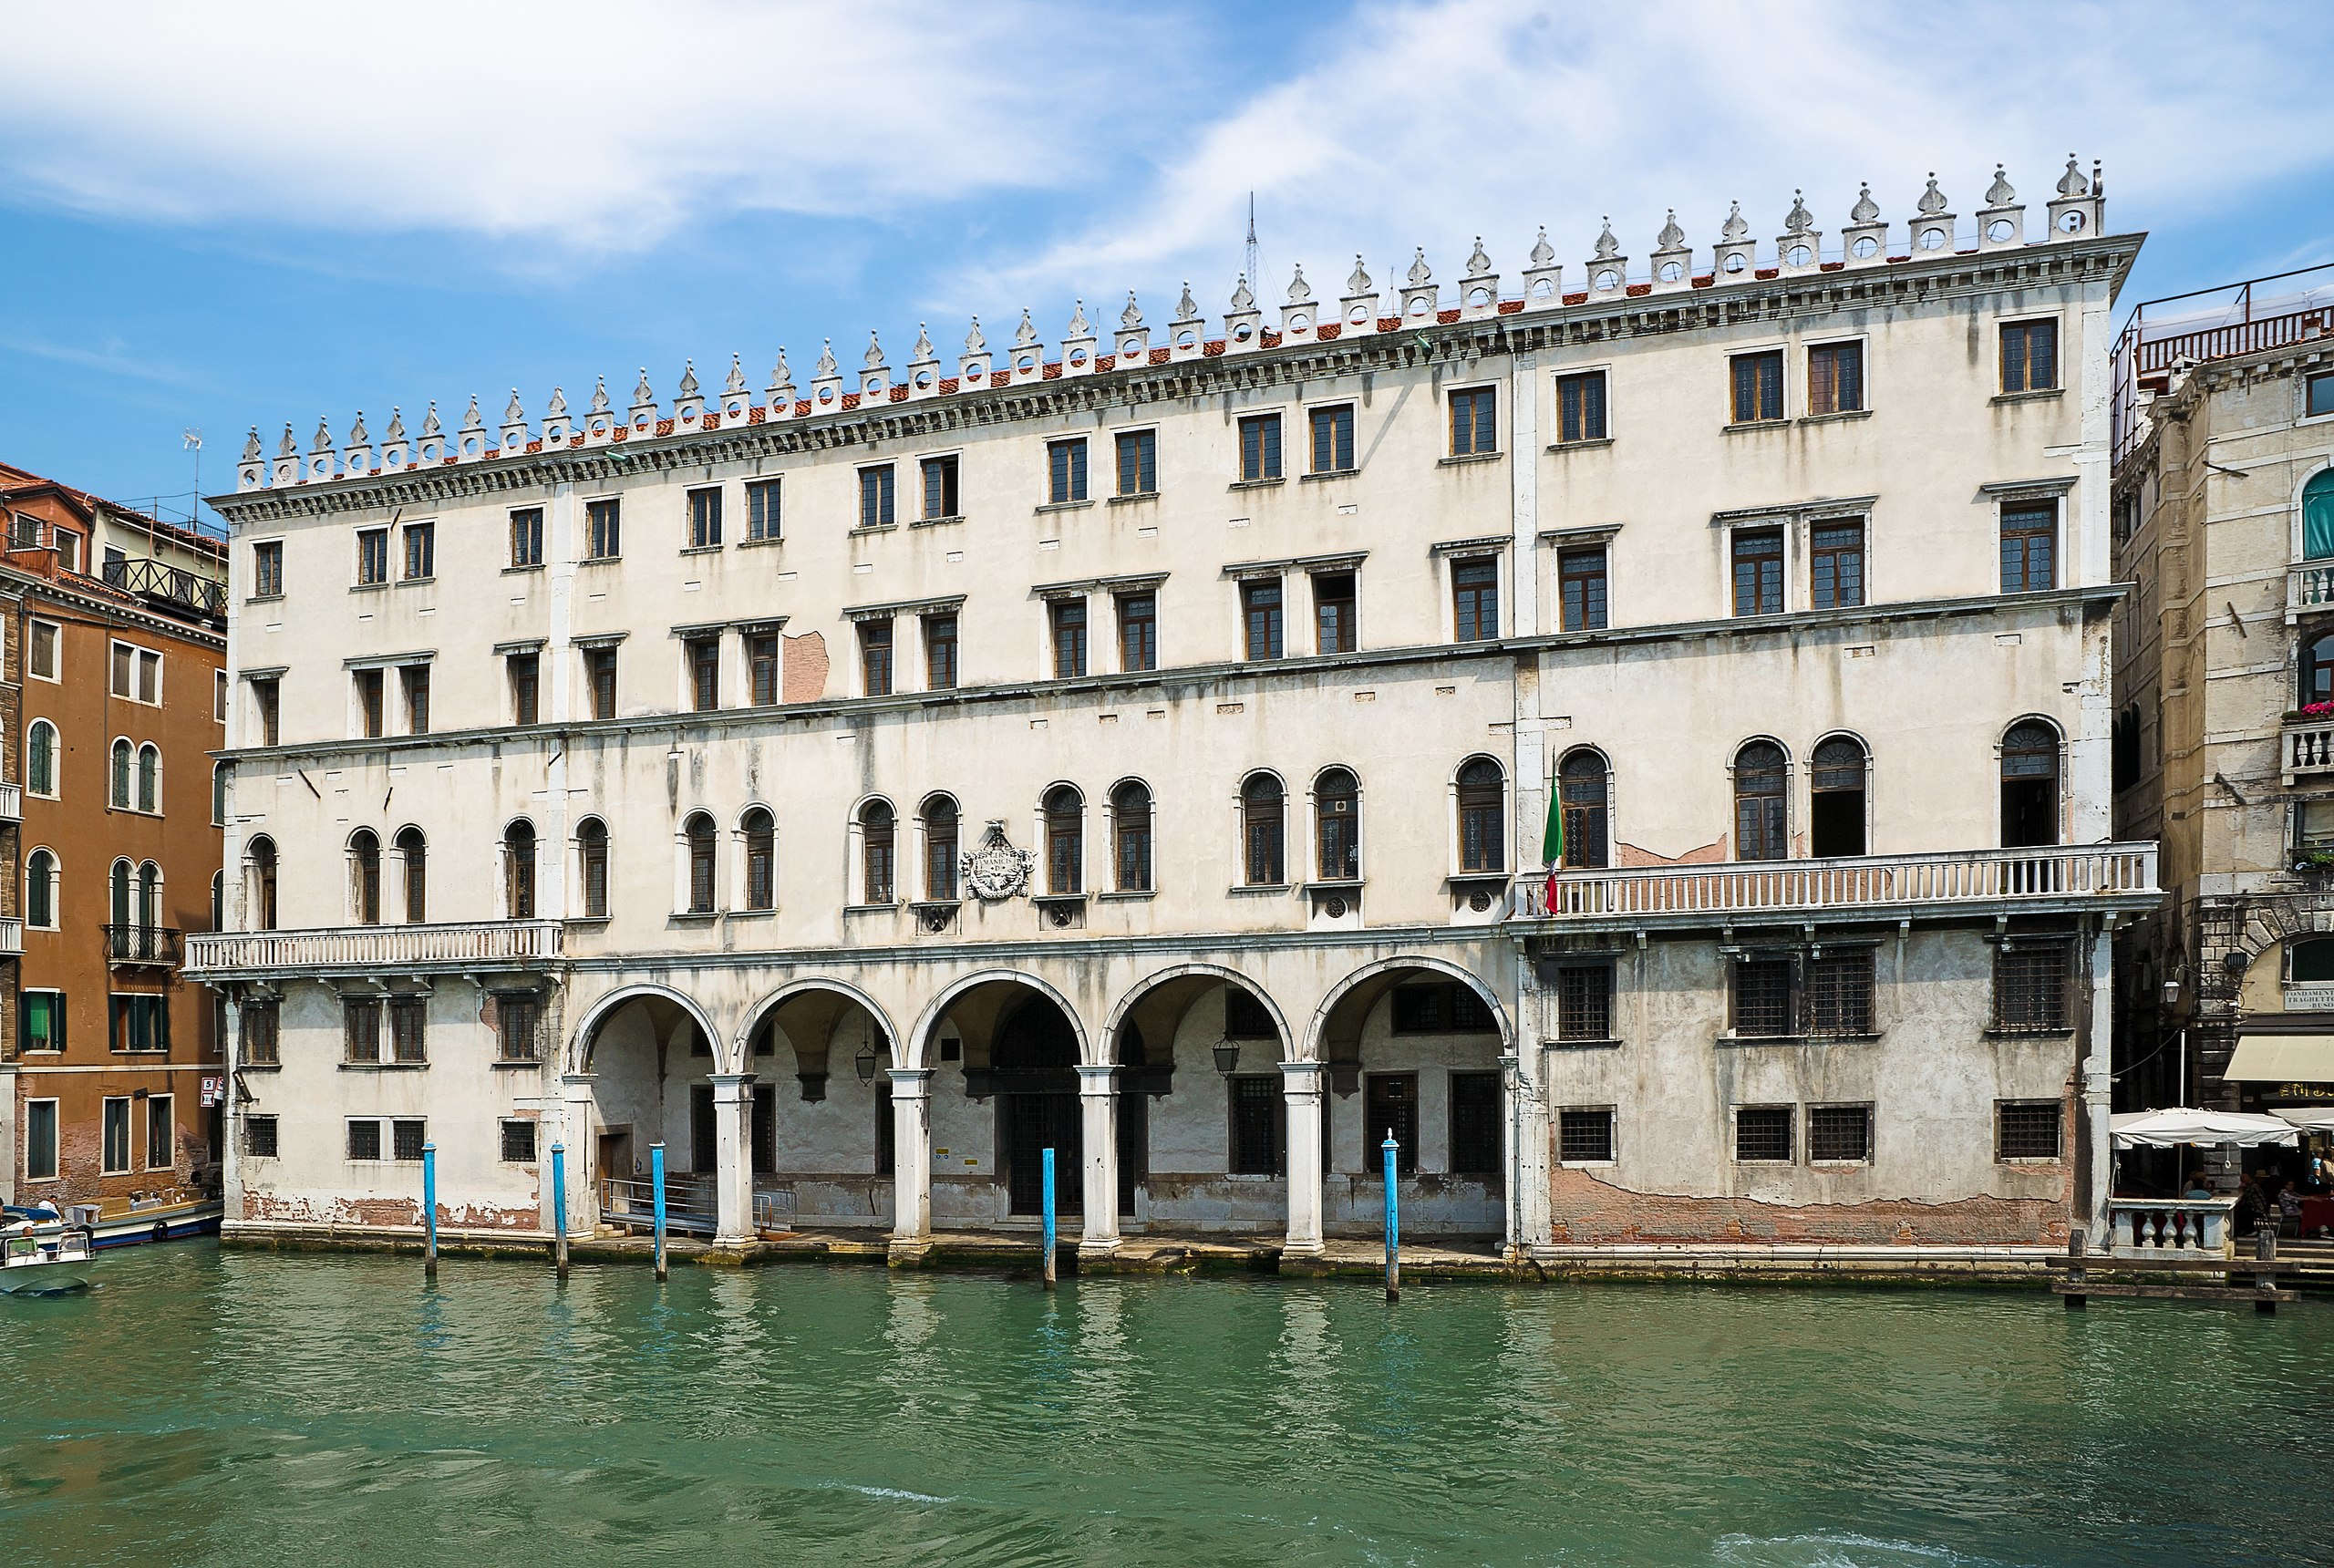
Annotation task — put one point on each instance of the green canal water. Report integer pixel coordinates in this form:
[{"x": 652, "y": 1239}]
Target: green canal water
[{"x": 234, "y": 1408}]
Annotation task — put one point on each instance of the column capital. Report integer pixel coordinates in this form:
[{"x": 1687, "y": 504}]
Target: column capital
[
  {"x": 911, "y": 1083},
  {"x": 729, "y": 1089},
  {"x": 1097, "y": 1079},
  {"x": 1301, "y": 1077}
]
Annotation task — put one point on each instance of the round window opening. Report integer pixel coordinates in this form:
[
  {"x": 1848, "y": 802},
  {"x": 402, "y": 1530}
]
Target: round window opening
[
  {"x": 1671, "y": 271},
  {"x": 826, "y": 394},
  {"x": 1609, "y": 280},
  {"x": 1417, "y": 307},
  {"x": 1479, "y": 296},
  {"x": 1077, "y": 356},
  {"x": 1799, "y": 256},
  {"x": 2000, "y": 229},
  {"x": 1868, "y": 246},
  {"x": 923, "y": 379},
  {"x": 2070, "y": 222},
  {"x": 1932, "y": 239},
  {"x": 1543, "y": 289},
  {"x": 1358, "y": 315},
  {"x": 1736, "y": 262},
  {"x": 1185, "y": 339},
  {"x": 1299, "y": 322},
  {"x": 1243, "y": 332}
]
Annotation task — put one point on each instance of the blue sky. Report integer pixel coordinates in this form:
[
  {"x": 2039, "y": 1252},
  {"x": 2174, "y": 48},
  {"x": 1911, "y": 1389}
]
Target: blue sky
[{"x": 216, "y": 217}]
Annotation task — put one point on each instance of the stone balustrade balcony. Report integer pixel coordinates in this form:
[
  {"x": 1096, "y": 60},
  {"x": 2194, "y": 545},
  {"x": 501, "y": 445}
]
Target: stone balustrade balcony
[
  {"x": 12, "y": 802},
  {"x": 2309, "y": 585},
  {"x": 358, "y": 950},
  {"x": 2160, "y": 1227},
  {"x": 2305, "y": 746}
]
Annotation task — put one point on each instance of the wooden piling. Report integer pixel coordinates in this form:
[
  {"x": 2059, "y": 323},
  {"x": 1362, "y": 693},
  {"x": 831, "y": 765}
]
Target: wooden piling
[
  {"x": 2264, "y": 1251},
  {"x": 2077, "y": 1275}
]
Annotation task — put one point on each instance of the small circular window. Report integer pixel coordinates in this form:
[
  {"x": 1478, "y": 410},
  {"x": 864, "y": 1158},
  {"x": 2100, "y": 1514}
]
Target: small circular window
[
  {"x": 1671, "y": 271},
  {"x": 923, "y": 379},
  {"x": 2070, "y": 222},
  {"x": 1543, "y": 289},
  {"x": 2000, "y": 229},
  {"x": 1866, "y": 247},
  {"x": 1185, "y": 339},
  {"x": 1736, "y": 262},
  {"x": 826, "y": 394},
  {"x": 1358, "y": 315},
  {"x": 1479, "y": 297},
  {"x": 1417, "y": 307},
  {"x": 1932, "y": 239},
  {"x": 1243, "y": 332},
  {"x": 1799, "y": 256},
  {"x": 1608, "y": 279},
  {"x": 1077, "y": 356},
  {"x": 1299, "y": 322}
]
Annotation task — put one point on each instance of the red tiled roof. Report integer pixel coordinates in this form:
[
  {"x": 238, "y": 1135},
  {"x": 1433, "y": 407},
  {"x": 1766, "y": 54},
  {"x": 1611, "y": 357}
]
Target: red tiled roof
[
  {"x": 1635, "y": 291},
  {"x": 1580, "y": 298},
  {"x": 664, "y": 427},
  {"x": 1211, "y": 349},
  {"x": 1510, "y": 306},
  {"x": 1160, "y": 356},
  {"x": 1389, "y": 322},
  {"x": 1445, "y": 317},
  {"x": 1050, "y": 372},
  {"x": 1106, "y": 362},
  {"x": 1330, "y": 329}
]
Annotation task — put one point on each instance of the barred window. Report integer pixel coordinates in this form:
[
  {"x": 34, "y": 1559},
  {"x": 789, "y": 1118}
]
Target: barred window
[
  {"x": 1585, "y": 1137},
  {"x": 261, "y": 1034},
  {"x": 2030, "y": 986},
  {"x": 2027, "y": 1129},
  {"x": 364, "y": 1139},
  {"x": 259, "y": 1137},
  {"x": 1476, "y": 1133},
  {"x": 1258, "y": 1114},
  {"x": 406, "y": 1135},
  {"x": 408, "y": 1019},
  {"x": 361, "y": 1029},
  {"x": 518, "y": 1143},
  {"x": 518, "y": 1023},
  {"x": 1584, "y": 1001},
  {"x": 1762, "y": 1132},
  {"x": 1763, "y": 996},
  {"x": 1839, "y": 993},
  {"x": 1841, "y": 1134}
]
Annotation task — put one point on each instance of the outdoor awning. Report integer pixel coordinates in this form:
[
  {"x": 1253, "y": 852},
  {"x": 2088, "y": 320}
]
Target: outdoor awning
[
  {"x": 2309, "y": 1117},
  {"x": 2282, "y": 1058},
  {"x": 2181, "y": 1124}
]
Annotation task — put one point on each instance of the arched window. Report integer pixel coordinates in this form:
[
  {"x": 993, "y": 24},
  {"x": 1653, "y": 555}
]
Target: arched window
[
  {"x": 261, "y": 857},
  {"x": 119, "y": 796},
  {"x": 149, "y": 778},
  {"x": 1263, "y": 832},
  {"x": 413, "y": 850},
  {"x": 697, "y": 842},
  {"x": 1336, "y": 825},
  {"x": 40, "y": 757},
  {"x": 591, "y": 866},
  {"x": 761, "y": 831},
  {"x": 1065, "y": 810},
  {"x": 1835, "y": 816},
  {"x": 40, "y": 890},
  {"x": 940, "y": 849},
  {"x": 1762, "y": 803},
  {"x": 149, "y": 898},
  {"x": 365, "y": 876},
  {"x": 519, "y": 870},
  {"x": 222, "y": 775},
  {"x": 1584, "y": 788},
  {"x": 2030, "y": 785},
  {"x": 876, "y": 825},
  {"x": 2318, "y": 517},
  {"x": 1483, "y": 815},
  {"x": 119, "y": 884},
  {"x": 218, "y": 901},
  {"x": 2309, "y": 961},
  {"x": 2317, "y": 670},
  {"x": 1130, "y": 835}
]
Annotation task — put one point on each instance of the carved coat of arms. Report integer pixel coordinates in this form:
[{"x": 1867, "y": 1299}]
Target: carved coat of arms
[{"x": 995, "y": 870}]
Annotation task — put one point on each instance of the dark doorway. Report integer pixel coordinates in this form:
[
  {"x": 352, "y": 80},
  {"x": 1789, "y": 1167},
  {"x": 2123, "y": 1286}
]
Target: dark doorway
[
  {"x": 1836, "y": 802},
  {"x": 1133, "y": 1105},
  {"x": 2029, "y": 785},
  {"x": 1034, "y": 1060},
  {"x": 702, "y": 1136}
]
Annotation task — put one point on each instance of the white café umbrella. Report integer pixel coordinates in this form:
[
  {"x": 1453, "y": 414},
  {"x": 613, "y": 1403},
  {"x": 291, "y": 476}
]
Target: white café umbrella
[
  {"x": 2309, "y": 1117},
  {"x": 2182, "y": 1125}
]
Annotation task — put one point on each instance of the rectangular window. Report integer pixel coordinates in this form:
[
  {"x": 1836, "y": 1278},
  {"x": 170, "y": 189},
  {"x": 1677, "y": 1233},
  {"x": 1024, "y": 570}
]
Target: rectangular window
[
  {"x": 1259, "y": 447},
  {"x": 704, "y": 518},
  {"x": 1762, "y": 997},
  {"x": 1259, "y": 1115},
  {"x": 1475, "y": 1135},
  {"x": 525, "y": 673},
  {"x": 68, "y": 550},
  {"x": 360, "y": 1026},
  {"x": 267, "y": 569},
  {"x": 761, "y": 509},
  {"x": 600, "y": 672},
  {"x": 262, "y": 1034},
  {"x": 875, "y": 658},
  {"x": 370, "y": 716},
  {"x": 1584, "y": 1135},
  {"x": 1475, "y": 422},
  {"x": 1333, "y": 618},
  {"x": 41, "y": 1020},
  {"x": 1389, "y": 1107},
  {"x": 2027, "y": 1129},
  {"x": 1138, "y": 631},
  {"x": 1260, "y": 613},
  {"x": 137, "y": 673},
  {"x": 1139, "y": 462},
  {"x": 1580, "y": 586},
  {"x": 415, "y": 679},
  {"x": 603, "y": 529},
  {"x": 1584, "y": 1001},
  {"x": 2319, "y": 395},
  {"x": 138, "y": 1023},
  {"x": 2030, "y": 356},
  {"x": 161, "y": 1133},
  {"x": 527, "y": 536},
  {"x": 2030, "y": 986},
  {"x": 1835, "y": 378},
  {"x": 1065, "y": 472},
  {"x": 406, "y": 1135},
  {"x": 40, "y": 1139},
  {"x": 1839, "y": 1134},
  {"x": 2030, "y": 547},
  {"x": 218, "y": 697},
  {"x": 1839, "y": 993},
  {"x": 266, "y": 709},
  {"x": 940, "y": 499},
  {"x": 939, "y": 653},
  {"x": 518, "y": 1025},
  {"x": 1474, "y": 600},
  {"x": 1068, "y": 617},
  {"x": 876, "y": 497},
  {"x": 1580, "y": 408},
  {"x": 703, "y": 658},
  {"x": 518, "y": 1143},
  {"x": 364, "y": 1139},
  {"x": 409, "y": 1028},
  {"x": 1333, "y": 439},
  {"x": 421, "y": 552},
  {"x": 372, "y": 556},
  {"x": 762, "y": 668},
  {"x": 114, "y": 1123},
  {"x": 260, "y": 1136},
  {"x": 1835, "y": 565},
  {"x": 1758, "y": 386},
  {"x": 1763, "y": 1133},
  {"x": 43, "y": 657},
  {"x": 1759, "y": 571}
]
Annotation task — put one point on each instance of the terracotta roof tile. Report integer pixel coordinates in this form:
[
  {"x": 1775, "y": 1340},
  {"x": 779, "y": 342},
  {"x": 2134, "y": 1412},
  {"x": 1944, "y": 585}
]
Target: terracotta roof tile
[
  {"x": 1050, "y": 372},
  {"x": 1831, "y": 266},
  {"x": 1390, "y": 323},
  {"x": 1269, "y": 338},
  {"x": 1580, "y": 298},
  {"x": 1330, "y": 329},
  {"x": 1444, "y": 318},
  {"x": 1211, "y": 349},
  {"x": 802, "y": 409},
  {"x": 1510, "y": 306},
  {"x": 1764, "y": 273},
  {"x": 1161, "y": 356},
  {"x": 756, "y": 414},
  {"x": 850, "y": 401},
  {"x": 664, "y": 427},
  {"x": 533, "y": 447},
  {"x": 1106, "y": 362},
  {"x": 948, "y": 384},
  {"x": 898, "y": 393},
  {"x": 1638, "y": 291}
]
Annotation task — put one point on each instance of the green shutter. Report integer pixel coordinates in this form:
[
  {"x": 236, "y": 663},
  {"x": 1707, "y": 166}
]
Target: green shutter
[{"x": 2317, "y": 518}]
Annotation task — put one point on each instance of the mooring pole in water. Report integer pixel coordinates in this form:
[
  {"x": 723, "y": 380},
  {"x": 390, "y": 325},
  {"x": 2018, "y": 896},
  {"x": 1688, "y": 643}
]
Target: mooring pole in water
[
  {"x": 1049, "y": 1219},
  {"x": 1393, "y": 1221},
  {"x": 2264, "y": 1251},
  {"x": 2078, "y": 1244},
  {"x": 657, "y": 1199},
  {"x": 429, "y": 1211},
  {"x": 559, "y": 1208}
]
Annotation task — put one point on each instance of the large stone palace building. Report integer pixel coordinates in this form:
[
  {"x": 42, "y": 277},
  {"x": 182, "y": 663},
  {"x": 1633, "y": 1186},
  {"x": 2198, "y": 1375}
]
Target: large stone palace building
[{"x": 1141, "y": 746}]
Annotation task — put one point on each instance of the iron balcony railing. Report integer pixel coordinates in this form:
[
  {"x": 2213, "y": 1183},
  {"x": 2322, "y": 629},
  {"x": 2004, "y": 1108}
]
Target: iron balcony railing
[
  {"x": 360, "y": 948},
  {"x": 142, "y": 944},
  {"x": 1953, "y": 879},
  {"x": 2211, "y": 323},
  {"x": 150, "y": 578}
]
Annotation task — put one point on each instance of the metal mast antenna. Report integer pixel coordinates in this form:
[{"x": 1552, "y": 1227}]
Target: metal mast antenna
[{"x": 1254, "y": 260}]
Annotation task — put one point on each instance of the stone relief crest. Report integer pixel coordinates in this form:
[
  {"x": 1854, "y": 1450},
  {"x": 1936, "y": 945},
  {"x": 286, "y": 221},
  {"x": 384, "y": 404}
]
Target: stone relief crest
[{"x": 997, "y": 870}]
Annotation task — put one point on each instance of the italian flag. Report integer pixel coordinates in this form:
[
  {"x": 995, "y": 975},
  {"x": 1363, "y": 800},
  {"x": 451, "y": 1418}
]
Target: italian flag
[{"x": 1551, "y": 845}]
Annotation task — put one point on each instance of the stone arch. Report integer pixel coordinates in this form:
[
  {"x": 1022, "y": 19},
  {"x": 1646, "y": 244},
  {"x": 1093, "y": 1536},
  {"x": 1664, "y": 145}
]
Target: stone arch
[
  {"x": 1318, "y": 1028},
  {"x": 762, "y": 1008},
  {"x": 914, "y": 1048},
  {"x": 1151, "y": 981},
  {"x": 578, "y": 1054}
]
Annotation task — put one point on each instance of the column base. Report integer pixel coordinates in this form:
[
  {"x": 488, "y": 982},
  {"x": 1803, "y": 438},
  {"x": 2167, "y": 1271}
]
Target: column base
[
  {"x": 1100, "y": 1247},
  {"x": 1303, "y": 1250},
  {"x": 907, "y": 1251}
]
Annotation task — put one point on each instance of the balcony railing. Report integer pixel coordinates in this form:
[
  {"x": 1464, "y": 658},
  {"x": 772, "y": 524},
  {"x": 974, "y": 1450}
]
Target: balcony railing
[
  {"x": 2210, "y": 323},
  {"x": 359, "y": 949},
  {"x": 2150, "y": 1227},
  {"x": 2309, "y": 585},
  {"x": 173, "y": 584},
  {"x": 142, "y": 944},
  {"x": 12, "y": 802},
  {"x": 2307, "y": 747},
  {"x": 1957, "y": 878},
  {"x": 12, "y": 937}
]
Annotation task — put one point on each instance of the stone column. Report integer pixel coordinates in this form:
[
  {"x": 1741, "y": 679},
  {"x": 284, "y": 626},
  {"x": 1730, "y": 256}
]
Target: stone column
[
  {"x": 2098, "y": 1087},
  {"x": 1300, "y": 1082},
  {"x": 576, "y": 1129},
  {"x": 1098, "y": 1105},
  {"x": 733, "y": 1159},
  {"x": 1527, "y": 1130},
  {"x": 231, "y": 1115},
  {"x": 911, "y": 1161}
]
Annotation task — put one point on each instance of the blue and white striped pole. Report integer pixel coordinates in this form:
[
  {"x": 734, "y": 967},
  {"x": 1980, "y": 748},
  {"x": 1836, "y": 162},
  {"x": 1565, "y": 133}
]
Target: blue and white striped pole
[
  {"x": 429, "y": 1211},
  {"x": 1049, "y": 1219},
  {"x": 559, "y": 1208},
  {"x": 1393, "y": 1221},
  {"x": 656, "y": 1198}
]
